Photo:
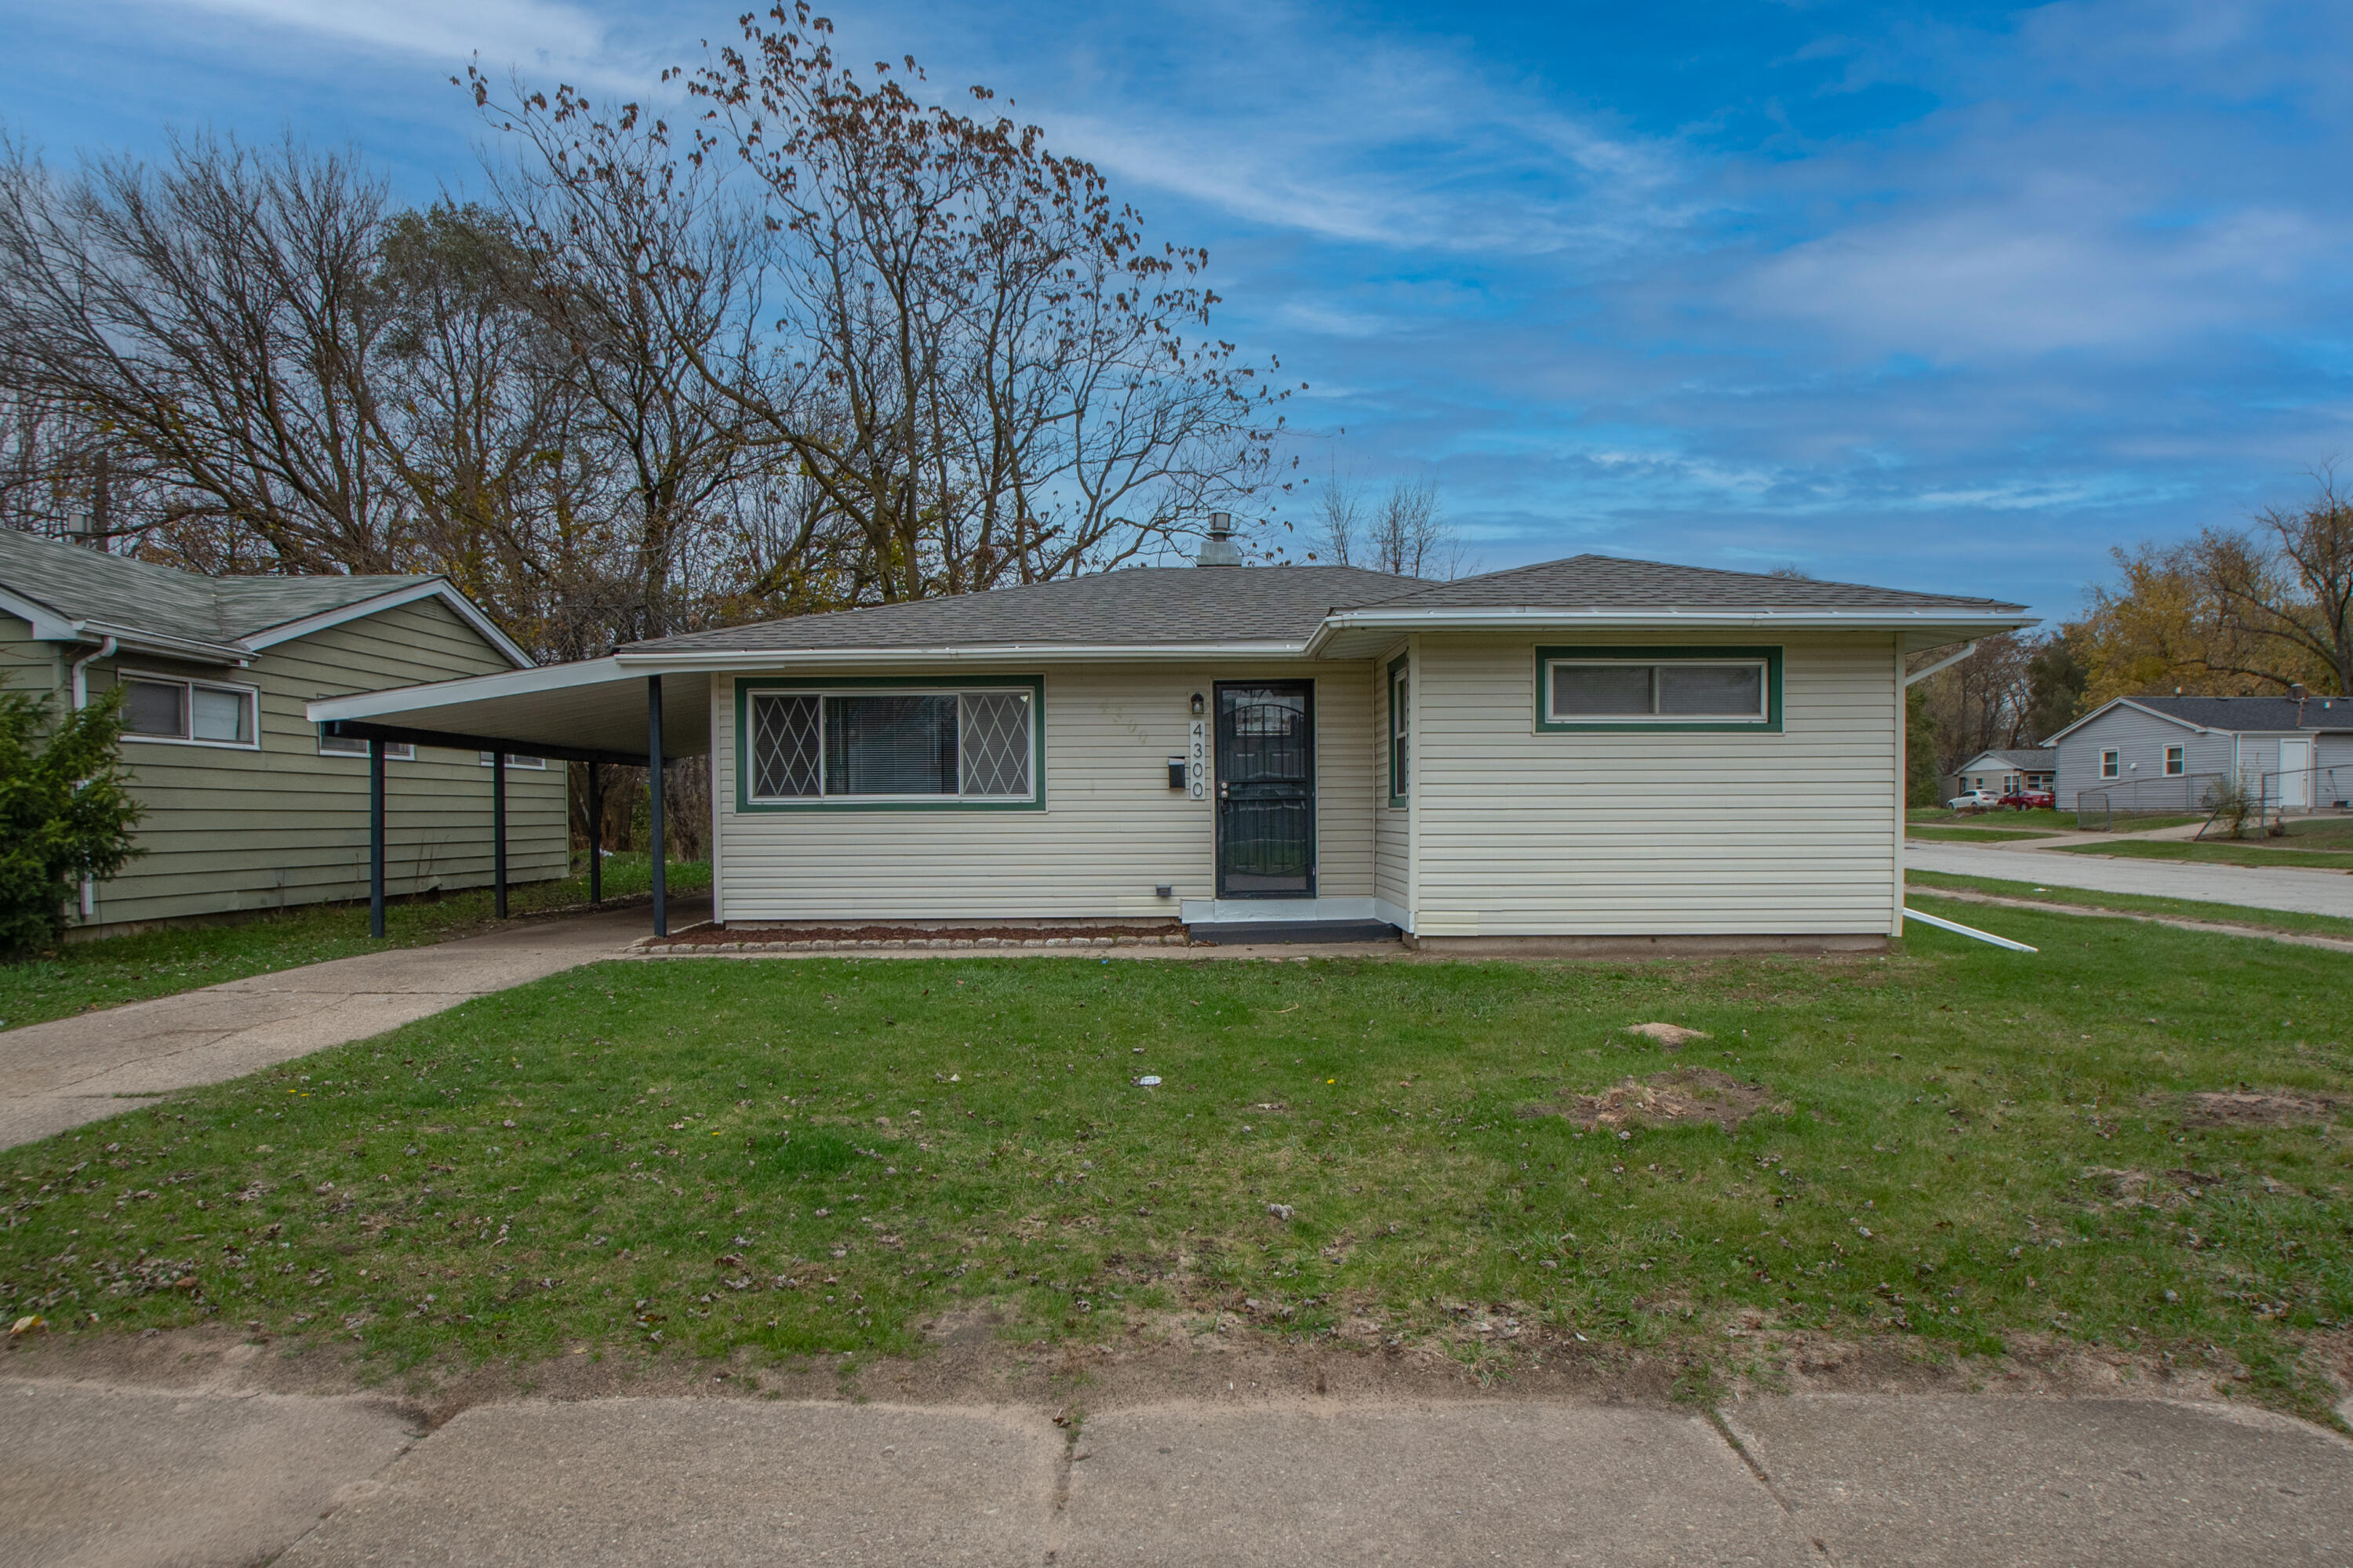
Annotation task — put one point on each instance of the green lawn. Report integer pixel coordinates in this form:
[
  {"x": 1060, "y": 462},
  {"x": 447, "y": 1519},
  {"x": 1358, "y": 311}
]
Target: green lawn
[
  {"x": 1936, "y": 816},
  {"x": 1974, "y": 835},
  {"x": 76, "y": 977},
  {"x": 2321, "y": 832},
  {"x": 2250, "y": 852},
  {"x": 1956, "y": 1147}
]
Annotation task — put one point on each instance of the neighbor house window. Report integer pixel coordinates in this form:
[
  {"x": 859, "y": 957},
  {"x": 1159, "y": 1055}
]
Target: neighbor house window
[
  {"x": 1400, "y": 730},
  {"x": 352, "y": 746},
  {"x": 2110, "y": 765},
  {"x": 195, "y": 712},
  {"x": 1641, "y": 688},
  {"x": 516, "y": 759},
  {"x": 972, "y": 745},
  {"x": 2176, "y": 763}
]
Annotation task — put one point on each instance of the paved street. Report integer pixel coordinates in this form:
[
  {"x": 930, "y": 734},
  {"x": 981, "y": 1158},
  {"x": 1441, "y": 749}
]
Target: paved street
[
  {"x": 2304, "y": 891},
  {"x": 74, "y": 1070},
  {"x": 128, "y": 1478}
]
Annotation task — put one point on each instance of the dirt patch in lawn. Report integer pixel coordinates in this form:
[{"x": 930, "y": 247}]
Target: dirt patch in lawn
[
  {"x": 2239, "y": 1107},
  {"x": 1682, "y": 1098}
]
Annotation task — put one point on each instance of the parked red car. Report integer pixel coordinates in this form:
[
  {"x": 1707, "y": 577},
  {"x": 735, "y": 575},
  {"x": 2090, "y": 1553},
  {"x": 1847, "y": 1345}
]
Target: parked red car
[{"x": 2029, "y": 800}]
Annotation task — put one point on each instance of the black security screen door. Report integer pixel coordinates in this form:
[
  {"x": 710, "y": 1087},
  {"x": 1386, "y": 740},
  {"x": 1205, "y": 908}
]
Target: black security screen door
[{"x": 1266, "y": 790}]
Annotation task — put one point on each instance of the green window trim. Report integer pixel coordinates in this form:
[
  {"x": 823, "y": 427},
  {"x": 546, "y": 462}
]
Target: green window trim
[
  {"x": 1769, "y": 725},
  {"x": 1034, "y": 685},
  {"x": 1399, "y": 743}
]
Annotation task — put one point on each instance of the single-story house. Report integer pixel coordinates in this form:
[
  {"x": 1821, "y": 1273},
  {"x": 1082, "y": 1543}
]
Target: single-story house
[
  {"x": 2007, "y": 770},
  {"x": 248, "y": 806},
  {"x": 2161, "y": 753},
  {"x": 1589, "y": 749}
]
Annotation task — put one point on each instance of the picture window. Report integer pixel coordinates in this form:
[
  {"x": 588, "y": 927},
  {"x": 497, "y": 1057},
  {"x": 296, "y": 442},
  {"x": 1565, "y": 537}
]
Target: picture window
[{"x": 905, "y": 746}]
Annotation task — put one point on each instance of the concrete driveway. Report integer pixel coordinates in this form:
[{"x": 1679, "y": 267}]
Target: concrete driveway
[
  {"x": 74, "y": 1070},
  {"x": 2294, "y": 888},
  {"x": 131, "y": 1479}
]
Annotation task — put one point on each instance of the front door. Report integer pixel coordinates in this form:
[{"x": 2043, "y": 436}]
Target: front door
[
  {"x": 2296, "y": 773},
  {"x": 1266, "y": 790}
]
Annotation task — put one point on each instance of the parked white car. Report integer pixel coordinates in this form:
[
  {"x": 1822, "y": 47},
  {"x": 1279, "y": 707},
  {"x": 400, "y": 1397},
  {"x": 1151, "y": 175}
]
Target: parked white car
[{"x": 1974, "y": 800}]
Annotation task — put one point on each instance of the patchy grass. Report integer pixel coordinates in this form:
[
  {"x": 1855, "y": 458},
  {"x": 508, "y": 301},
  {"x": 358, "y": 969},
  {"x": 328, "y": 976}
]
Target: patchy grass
[
  {"x": 2186, "y": 908},
  {"x": 2321, "y": 832},
  {"x": 76, "y": 977},
  {"x": 2247, "y": 852},
  {"x": 1938, "y": 816},
  {"x": 1953, "y": 1146},
  {"x": 1959, "y": 835}
]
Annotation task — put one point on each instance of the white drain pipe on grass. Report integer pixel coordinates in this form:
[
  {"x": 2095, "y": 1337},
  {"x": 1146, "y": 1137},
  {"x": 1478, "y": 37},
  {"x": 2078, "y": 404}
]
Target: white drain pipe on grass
[{"x": 1958, "y": 929}]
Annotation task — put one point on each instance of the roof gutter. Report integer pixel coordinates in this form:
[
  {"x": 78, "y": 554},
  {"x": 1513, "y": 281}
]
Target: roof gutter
[
  {"x": 649, "y": 662},
  {"x": 1491, "y": 620},
  {"x": 138, "y": 641}
]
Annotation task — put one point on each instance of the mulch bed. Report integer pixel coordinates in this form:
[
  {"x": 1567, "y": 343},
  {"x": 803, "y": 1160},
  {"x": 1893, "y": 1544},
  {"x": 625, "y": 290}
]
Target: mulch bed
[{"x": 817, "y": 938}]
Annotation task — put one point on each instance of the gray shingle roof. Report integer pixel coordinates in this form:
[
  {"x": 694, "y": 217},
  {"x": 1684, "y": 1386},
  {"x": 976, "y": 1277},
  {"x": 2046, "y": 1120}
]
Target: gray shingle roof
[
  {"x": 1168, "y": 604},
  {"x": 125, "y": 595},
  {"x": 1142, "y": 605},
  {"x": 2031, "y": 760},
  {"x": 2256, "y": 712},
  {"x": 1607, "y": 582}
]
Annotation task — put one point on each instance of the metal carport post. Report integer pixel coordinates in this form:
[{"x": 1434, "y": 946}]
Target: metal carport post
[
  {"x": 376, "y": 838},
  {"x": 654, "y": 792}
]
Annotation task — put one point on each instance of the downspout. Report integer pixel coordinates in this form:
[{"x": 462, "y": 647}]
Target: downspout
[{"x": 77, "y": 692}]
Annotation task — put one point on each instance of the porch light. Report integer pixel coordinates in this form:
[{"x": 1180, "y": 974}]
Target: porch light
[{"x": 1200, "y": 705}]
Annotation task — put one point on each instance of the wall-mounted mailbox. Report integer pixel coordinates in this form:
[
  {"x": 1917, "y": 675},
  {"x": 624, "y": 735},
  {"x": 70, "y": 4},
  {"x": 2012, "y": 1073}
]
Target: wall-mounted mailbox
[{"x": 1176, "y": 780}]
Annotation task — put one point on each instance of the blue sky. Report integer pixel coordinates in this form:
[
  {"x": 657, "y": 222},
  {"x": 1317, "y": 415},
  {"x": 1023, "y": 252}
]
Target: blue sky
[{"x": 1947, "y": 297}]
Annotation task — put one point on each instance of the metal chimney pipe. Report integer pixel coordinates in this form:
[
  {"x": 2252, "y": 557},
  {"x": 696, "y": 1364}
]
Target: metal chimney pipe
[{"x": 1218, "y": 549}]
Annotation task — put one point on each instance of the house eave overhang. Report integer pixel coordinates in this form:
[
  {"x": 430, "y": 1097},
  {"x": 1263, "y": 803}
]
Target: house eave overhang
[
  {"x": 653, "y": 662},
  {"x": 2193, "y": 726},
  {"x": 1938, "y": 626},
  {"x": 48, "y": 626}
]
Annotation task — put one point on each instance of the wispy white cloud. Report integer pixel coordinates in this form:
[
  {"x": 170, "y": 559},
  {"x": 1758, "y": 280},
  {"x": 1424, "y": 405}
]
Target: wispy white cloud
[{"x": 532, "y": 35}]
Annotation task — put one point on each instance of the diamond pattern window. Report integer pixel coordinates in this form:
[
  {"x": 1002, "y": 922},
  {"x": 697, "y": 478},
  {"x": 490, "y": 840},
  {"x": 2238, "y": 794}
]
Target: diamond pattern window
[
  {"x": 996, "y": 743},
  {"x": 975, "y": 746},
  {"x": 784, "y": 745}
]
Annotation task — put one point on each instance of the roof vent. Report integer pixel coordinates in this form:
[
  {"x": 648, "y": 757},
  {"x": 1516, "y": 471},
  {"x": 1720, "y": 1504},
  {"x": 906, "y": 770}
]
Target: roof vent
[{"x": 1218, "y": 549}]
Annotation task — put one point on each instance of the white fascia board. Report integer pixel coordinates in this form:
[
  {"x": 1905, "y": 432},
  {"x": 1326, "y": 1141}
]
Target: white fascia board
[
  {"x": 48, "y": 626},
  {"x": 470, "y": 689},
  {"x": 993, "y": 653},
  {"x": 439, "y": 587},
  {"x": 2115, "y": 703},
  {"x": 1959, "y": 626}
]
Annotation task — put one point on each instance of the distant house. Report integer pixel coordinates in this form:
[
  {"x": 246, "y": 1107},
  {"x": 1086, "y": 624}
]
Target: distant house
[
  {"x": 2153, "y": 752},
  {"x": 2005, "y": 772},
  {"x": 247, "y": 807}
]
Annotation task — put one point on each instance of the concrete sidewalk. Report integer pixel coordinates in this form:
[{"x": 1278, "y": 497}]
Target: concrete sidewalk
[
  {"x": 102, "y": 1476},
  {"x": 2294, "y": 888},
  {"x": 74, "y": 1070}
]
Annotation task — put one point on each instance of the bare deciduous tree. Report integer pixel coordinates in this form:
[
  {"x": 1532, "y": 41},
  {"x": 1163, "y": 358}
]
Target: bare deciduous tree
[{"x": 1404, "y": 533}]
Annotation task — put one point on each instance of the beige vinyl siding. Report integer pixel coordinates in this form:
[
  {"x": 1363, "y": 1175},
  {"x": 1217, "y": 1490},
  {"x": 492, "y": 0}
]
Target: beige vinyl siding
[
  {"x": 231, "y": 830},
  {"x": 1654, "y": 834},
  {"x": 1391, "y": 824},
  {"x": 1112, "y": 828}
]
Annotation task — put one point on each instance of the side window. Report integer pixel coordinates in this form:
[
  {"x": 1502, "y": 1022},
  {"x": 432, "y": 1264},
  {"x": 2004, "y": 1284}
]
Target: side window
[
  {"x": 2110, "y": 765},
  {"x": 193, "y": 713},
  {"x": 2174, "y": 762},
  {"x": 1400, "y": 738}
]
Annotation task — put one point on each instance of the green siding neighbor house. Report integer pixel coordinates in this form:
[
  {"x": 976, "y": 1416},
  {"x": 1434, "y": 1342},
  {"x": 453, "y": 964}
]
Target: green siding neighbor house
[{"x": 246, "y": 808}]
